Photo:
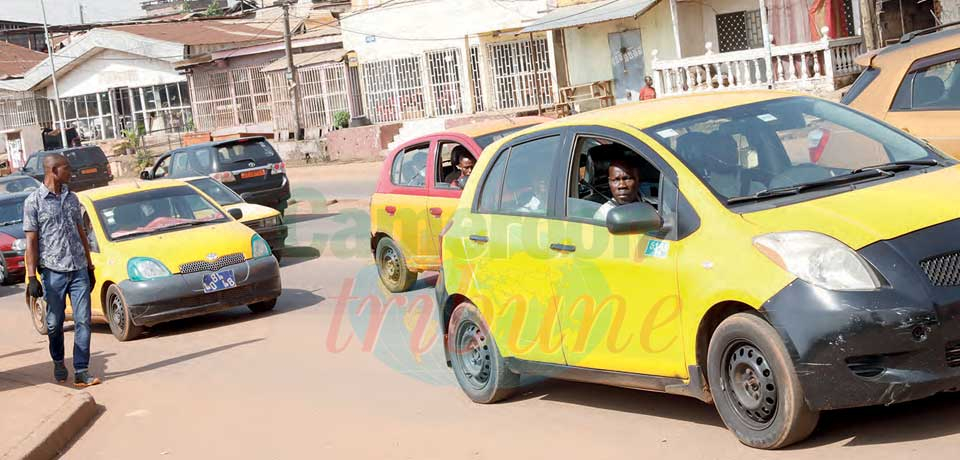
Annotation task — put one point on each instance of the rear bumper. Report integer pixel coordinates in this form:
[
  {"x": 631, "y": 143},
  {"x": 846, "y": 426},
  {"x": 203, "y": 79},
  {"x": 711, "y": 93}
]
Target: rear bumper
[
  {"x": 274, "y": 197},
  {"x": 181, "y": 296},
  {"x": 86, "y": 183}
]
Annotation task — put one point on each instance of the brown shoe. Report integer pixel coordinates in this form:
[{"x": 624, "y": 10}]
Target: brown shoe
[{"x": 83, "y": 379}]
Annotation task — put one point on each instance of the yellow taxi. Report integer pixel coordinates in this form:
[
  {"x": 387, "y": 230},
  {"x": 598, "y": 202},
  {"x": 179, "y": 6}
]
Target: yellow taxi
[
  {"x": 915, "y": 86},
  {"x": 164, "y": 251},
  {"x": 418, "y": 189},
  {"x": 713, "y": 246}
]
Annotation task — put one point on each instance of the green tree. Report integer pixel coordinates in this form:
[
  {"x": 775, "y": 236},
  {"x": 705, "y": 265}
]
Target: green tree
[
  {"x": 341, "y": 120},
  {"x": 213, "y": 10}
]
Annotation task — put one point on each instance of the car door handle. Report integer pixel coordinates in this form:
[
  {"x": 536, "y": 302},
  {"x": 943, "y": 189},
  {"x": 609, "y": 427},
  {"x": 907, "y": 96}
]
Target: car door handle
[
  {"x": 479, "y": 238},
  {"x": 563, "y": 247},
  {"x": 436, "y": 211},
  {"x": 390, "y": 210}
]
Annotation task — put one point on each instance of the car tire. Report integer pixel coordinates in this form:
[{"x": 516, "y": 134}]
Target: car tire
[
  {"x": 277, "y": 255},
  {"x": 755, "y": 386},
  {"x": 477, "y": 363},
  {"x": 118, "y": 316},
  {"x": 38, "y": 313},
  {"x": 392, "y": 267},
  {"x": 263, "y": 307}
]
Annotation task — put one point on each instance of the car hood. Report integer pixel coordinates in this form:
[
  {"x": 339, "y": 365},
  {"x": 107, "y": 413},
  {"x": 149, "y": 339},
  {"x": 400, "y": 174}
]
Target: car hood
[
  {"x": 252, "y": 212},
  {"x": 188, "y": 245},
  {"x": 14, "y": 230},
  {"x": 864, "y": 216}
]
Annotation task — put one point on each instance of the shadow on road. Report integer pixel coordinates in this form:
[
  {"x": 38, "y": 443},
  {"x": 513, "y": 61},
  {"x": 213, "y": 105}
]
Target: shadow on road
[
  {"x": 291, "y": 219},
  {"x": 11, "y": 289},
  {"x": 293, "y": 255},
  {"x": 20, "y": 352},
  {"x": 929, "y": 418}
]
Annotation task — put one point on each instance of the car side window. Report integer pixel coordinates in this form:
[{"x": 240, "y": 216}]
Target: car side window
[
  {"x": 32, "y": 163},
  {"x": 526, "y": 180},
  {"x": 410, "y": 167},
  {"x": 91, "y": 233},
  {"x": 162, "y": 167},
  {"x": 448, "y": 154},
  {"x": 490, "y": 192},
  {"x": 931, "y": 88}
]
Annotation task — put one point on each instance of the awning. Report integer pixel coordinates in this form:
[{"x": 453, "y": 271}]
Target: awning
[
  {"x": 306, "y": 59},
  {"x": 589, "y": 13}
]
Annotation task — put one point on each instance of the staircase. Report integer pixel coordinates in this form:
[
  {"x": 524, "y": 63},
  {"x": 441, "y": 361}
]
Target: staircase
[{"x": 415, "y": 128}]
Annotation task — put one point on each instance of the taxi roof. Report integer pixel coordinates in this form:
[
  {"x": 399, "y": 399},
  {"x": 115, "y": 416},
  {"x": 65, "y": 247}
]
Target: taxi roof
[
  {"x": 500, "y": 124},
  {"x": 110, "y": 191},
  {"x": 917, "y": 47}
]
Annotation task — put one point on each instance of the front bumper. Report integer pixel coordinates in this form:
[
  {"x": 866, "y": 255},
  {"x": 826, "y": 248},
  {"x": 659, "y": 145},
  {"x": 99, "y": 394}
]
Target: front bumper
[
  {"x": 14, "y": 262},
  {"x": 861, "y": 348},
  {"x": 275, "y": 236},
  {"x": 181, "y": 296}
]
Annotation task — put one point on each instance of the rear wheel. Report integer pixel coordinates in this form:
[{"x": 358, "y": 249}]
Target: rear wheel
[
  {"x": 118, "y": 315},
  {"x": 38, "y": 313},
  {"x": 392, "y": 267},
  {"x": 263, "y": 307},
  {"x": 480, "y": 369},
  {"x": 755, "y": 386}
]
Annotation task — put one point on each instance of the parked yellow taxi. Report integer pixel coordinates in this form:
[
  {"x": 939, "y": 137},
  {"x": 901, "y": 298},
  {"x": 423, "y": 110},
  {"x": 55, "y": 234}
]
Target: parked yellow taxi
[
  {"x": 419, "y": 189},
  {"x": 713, "y": 246},
  {"x": 163, "y": 251}
]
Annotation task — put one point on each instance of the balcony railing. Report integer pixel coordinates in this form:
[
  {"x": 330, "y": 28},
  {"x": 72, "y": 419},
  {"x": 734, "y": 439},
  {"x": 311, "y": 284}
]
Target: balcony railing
[{"x": 820, "y": 65}]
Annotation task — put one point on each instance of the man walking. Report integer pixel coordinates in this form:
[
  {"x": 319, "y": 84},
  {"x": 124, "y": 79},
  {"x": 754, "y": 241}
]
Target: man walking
[{"x": 58, "y": 250}]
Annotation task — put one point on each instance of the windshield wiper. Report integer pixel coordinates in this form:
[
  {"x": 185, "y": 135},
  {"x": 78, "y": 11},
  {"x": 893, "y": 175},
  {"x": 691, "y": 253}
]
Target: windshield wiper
[
  {"x": 898, "y": 165},
  {"x": 807, "y": 186},
  {"x": 10, "y": 222},
  {"x": 240, "y": 160},
  {"x": 162, "y": 229}
]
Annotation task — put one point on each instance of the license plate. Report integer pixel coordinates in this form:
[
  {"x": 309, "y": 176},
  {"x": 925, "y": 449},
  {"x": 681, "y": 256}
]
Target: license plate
[
  {"x": 257, "y": 173},
  {"x": 219, "y": 281},
  {"x": 88, "y": 171}
]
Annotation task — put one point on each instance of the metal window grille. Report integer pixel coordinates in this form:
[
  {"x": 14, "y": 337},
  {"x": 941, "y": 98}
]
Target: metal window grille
[
  {"x": 323, "y": 93},
  {"x": 24, "y": 109},
  {"x": 477, "y": 87},
  {"x": 516, "y": 69},
  {"x": 739, "y": 31},
  {"x": 231, "y": 97},
  {"x": 444, "y": 70},
  {"x": 394, "y": 89}
]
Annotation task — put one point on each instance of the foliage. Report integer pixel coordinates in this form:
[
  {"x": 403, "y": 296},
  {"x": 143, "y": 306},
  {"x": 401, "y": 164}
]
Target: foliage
[
  {"x": 133, "y": 140},
  {"x": 341, "y": 120},
  {"x": 213, "y": 10}
]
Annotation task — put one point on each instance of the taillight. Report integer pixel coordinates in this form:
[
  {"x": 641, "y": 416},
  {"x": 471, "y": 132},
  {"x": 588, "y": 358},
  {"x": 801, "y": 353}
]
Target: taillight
[
  {"x": 278, "y": 168},
  {"x": 109, "y": 170},
  {"x": 224, "y": 177}
]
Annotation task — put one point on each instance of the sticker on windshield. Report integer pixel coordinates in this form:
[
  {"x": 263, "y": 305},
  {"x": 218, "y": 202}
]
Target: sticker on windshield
[
  {"x": 667, "y": 133},
  {"x": 766, "y": 117},
  {"x": 658, "y": 249}
]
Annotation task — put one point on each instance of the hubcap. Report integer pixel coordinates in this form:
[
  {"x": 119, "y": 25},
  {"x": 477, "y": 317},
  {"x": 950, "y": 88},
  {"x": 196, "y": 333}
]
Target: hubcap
[
  {"x": 474, "y": 354},
  {"x": 390, "y": 262},
  {"x": 118, "y": 315},
  {"x": 749, "y": 384}
]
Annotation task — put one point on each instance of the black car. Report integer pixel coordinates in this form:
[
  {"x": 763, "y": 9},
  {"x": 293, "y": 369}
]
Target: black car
[
  {"x": 249, "y": 166},
  {"x": 90, "y": 166}
]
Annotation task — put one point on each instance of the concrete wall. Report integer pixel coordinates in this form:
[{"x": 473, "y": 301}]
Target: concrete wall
[
  {"x": 111, "y": 69},
  {"x": 709, "y": 19},
  {"x": 690, "y": 18},
  {"x": 30, "y": 140},
  {"x": 588, "y": 48},
  {"x": 949, "y": 11}
]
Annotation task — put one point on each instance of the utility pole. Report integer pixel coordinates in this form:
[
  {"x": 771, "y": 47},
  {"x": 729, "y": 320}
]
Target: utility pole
[
  {"x": 292, "y": 76},
  {"x": 81, "y": 12},
  {"x": 53, "y": 75}
]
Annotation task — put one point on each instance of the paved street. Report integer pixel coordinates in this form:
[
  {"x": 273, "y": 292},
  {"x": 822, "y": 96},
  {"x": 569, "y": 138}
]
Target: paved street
[{"x": 315, "y": 378}]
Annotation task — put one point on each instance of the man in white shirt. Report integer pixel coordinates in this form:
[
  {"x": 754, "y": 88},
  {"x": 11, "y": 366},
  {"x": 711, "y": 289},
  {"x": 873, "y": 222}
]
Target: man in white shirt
[{"x": 624, "y": 179}]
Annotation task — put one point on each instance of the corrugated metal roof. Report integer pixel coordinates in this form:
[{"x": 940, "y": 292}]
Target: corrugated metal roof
[
  {"x": 589, "y": 13},
  {"x": 17, "y": 60},
  {"x": 306, "y": 59},
  {"x": 203, "y": 32}
]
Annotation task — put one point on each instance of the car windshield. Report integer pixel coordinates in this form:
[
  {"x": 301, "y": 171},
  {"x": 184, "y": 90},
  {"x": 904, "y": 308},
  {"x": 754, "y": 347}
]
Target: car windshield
[
  {"x": 155, "y": 211},
  {"x": 746, "y": 152},
  {"x": 17, "y": 184},
  {"x": 216, "y": 190},
  {"x": 487, "y": 139},
  {"x": 11, "y": 212}
]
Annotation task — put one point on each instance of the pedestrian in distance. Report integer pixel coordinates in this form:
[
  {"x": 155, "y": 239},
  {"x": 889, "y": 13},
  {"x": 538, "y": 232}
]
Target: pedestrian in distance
[
  {"x": 58, "y": 250},
  {"x": 648, "y": 92}
]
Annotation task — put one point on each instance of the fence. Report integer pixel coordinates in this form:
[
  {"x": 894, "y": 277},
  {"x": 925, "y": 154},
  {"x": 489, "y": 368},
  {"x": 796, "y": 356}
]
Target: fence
[
  {"x": 520, "y": 73},
  {"x": 323, "y": 92},
  {"x": 394, "y": 89}
]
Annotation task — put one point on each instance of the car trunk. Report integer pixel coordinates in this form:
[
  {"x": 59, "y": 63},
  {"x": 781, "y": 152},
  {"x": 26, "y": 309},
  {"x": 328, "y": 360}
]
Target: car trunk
[{"x": 251, "y": 161}]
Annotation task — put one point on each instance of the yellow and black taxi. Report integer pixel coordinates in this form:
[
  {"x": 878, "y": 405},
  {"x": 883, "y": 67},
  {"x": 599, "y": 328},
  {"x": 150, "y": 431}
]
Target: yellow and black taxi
[
  {"x": 714, "y": 246},
  {"x": 163, "y": 251}
]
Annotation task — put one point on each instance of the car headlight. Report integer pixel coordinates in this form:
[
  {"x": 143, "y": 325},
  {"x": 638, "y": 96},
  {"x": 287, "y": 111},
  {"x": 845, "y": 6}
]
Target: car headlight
[
  {"x": 19, "y": 245},
  {"x": 260, "y": 247},
  {"x": 819, "y": 260},
  {"x": 145, "y": 268}
]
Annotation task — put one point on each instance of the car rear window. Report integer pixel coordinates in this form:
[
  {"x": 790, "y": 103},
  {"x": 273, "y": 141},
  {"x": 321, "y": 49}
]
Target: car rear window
[
  {"x": 862, "y": 82},
  {"x": 239, "y": 155},
  {"x": 85, "y": 156}
]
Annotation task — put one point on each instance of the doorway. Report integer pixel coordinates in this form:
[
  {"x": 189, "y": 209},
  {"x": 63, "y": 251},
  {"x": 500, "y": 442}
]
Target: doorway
[{"x": 626, "y": 54}]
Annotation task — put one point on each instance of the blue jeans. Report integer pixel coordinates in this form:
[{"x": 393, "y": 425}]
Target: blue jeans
[{"x": 56, "y": 287}]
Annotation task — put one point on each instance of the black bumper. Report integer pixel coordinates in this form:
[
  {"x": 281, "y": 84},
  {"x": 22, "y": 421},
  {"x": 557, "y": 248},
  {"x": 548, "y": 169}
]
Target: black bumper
[
  {"x": 181, "y": 296},
  {"x": 861, "y": 348},
  {"x": 443, "y": 317},
  {"x": 275, "y": 236},
  {"x": 275, "y": 197}
]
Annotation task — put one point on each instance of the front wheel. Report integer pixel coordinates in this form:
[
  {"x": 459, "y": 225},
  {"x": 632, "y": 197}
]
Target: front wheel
[
  {"x": 755, "y": 386},
  {"x": 392, "y": 267},
  {"x": 263, "y": 307},
  {"x": 480, "y": 369},
  {"x": 118, "y": 315},
  {"x": 38, "y": 313}
]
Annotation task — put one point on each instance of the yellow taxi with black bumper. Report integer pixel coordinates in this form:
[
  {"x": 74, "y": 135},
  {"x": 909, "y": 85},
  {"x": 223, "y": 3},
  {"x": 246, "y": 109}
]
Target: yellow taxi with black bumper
[
  {"x": 163, "y": 251},
  {"x": 775, "y": 254}
]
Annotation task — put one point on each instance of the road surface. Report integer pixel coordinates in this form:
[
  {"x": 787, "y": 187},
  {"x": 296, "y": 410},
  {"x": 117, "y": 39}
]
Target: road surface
[{"x": 314, "y": 379}]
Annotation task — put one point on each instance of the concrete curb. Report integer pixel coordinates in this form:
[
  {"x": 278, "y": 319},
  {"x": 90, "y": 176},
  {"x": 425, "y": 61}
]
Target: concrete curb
[{"x": 56, "y": 431}]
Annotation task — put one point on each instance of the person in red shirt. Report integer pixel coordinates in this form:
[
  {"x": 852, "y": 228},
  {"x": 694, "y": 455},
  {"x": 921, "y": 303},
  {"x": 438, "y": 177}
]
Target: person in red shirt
[{"x": 648, "y": 92}]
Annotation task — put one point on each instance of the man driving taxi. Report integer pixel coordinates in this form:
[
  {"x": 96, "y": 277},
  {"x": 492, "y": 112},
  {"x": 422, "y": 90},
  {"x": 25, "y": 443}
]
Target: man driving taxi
[{"x": 624, "y": 179}]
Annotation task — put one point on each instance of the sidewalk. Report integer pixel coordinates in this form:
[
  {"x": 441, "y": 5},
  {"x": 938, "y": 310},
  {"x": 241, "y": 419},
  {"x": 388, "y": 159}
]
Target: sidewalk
[{"x": 38, "y": 421}]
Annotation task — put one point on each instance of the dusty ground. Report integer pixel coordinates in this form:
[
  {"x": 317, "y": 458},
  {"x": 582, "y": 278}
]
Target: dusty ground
[{"x": 311, "y": 380}]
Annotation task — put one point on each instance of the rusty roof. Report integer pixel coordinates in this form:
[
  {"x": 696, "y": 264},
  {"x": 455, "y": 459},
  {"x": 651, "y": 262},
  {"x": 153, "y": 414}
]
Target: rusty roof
[
  {"x": 213, "y": 32},
  {"x": 16, "y": 60}
]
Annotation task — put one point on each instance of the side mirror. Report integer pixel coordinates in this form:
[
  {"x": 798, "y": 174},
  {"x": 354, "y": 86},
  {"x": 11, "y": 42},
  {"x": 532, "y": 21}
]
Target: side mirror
[
  {"x": 633, "y": 218},
  {"x": 145, "y": 175},
  {"x": 236, "y": 213}
]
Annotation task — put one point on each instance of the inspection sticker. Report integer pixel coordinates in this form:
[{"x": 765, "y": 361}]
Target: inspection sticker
[
  {"x": 667, "y": 133},
  {"x": 766, "y": 117},
  {"x": 658, "y": 249}
]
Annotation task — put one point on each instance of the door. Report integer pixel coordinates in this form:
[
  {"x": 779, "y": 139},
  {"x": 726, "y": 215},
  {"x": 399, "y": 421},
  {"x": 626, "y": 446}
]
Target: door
[
  {"x": 402, "y": 210},
  {"x": 512, "y": 269},
  {"x": 626, "y": 54},
  {"x": 927, "y": 104},
  {"x": 444, "y": 196},
  {"x": 620, "y": 309}
]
